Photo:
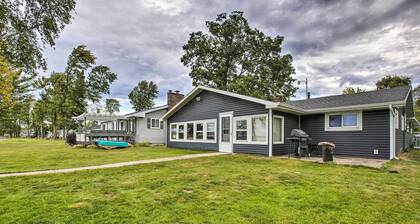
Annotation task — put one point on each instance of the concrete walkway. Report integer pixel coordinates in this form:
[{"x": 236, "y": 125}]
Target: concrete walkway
[{"x": 113, "y": 165}]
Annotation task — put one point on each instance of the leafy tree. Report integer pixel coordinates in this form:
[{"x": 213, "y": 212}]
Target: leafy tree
[
  {"x": 393, "y": 81},
  {"x": 351, "y": 90},
  {"x": 142, "y": 96},
  {"x": 27, "y": 26},
  {"x": 15, "y": 99},
  {"x": 67, "y": 94},
  {"x": 112, "y": 105},
  {"x": 235, "y": 57}
]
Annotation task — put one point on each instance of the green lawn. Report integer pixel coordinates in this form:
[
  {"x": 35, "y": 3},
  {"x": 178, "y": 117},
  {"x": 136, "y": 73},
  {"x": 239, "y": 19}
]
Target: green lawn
[
  {"x": 224, "y": 189},
  {"x": 18, "y": 155}
]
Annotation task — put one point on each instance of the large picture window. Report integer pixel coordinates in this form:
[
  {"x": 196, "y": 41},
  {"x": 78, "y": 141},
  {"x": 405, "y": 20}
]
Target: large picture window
[
  {"x": 278, "y": 129},
  {"x": 193, "y": 131},
  {"x": 343, "y": 121},
  {"x": 251, "y": 129}
]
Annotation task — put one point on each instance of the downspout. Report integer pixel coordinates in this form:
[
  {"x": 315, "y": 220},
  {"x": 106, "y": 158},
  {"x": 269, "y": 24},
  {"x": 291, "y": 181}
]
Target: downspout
[
  {"x": 270, "y": 132},
  {"x": 391, "y": 133}
]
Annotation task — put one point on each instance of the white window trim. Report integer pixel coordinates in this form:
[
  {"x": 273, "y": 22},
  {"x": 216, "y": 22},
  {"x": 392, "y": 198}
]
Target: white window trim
[
  {"x": 249, "y": 130},
  {"x": 358, "y": 127},
  {"x": 151, "y": 123},
  {"x": 204, "y": 122},
  {"x": 282, "y": 129}
]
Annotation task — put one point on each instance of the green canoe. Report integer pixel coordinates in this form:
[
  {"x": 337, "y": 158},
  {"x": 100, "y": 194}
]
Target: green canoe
[{"x": 112, "y": 144}]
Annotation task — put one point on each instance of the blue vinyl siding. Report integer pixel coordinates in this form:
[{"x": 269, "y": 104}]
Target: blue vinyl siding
[
  {"x": 375, "y": 135},
  {"x": 209, "y": 107}
]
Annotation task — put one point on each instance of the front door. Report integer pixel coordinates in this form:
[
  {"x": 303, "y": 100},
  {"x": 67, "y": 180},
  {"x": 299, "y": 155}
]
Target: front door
[{"x": 225, "y": 132}]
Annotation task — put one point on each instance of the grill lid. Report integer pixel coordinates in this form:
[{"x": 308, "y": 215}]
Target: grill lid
[{"x": 299, "y": 133}]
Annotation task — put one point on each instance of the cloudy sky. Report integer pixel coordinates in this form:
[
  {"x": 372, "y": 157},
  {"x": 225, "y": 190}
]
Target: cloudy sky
[{"x": 334, "y": 44}]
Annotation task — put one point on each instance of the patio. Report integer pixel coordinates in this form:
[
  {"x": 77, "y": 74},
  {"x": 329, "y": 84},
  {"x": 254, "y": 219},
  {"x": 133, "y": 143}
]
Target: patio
[{"x": 373, "y": 163}]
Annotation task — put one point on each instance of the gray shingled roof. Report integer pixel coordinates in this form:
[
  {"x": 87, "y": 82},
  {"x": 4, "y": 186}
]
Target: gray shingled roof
[{"x": 370, "y": 97}]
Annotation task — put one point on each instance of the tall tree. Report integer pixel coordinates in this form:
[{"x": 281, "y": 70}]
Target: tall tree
[
  {"x": 27, "y": 26},
  {"x": 393, "y": 81},
  {"x": 112, "y": 105},
  {"x": 142, "y": 96},
  {"x": 351, "y": 90},
  {"x": 235, "y": 57},
  {"x": 67, "y": 94}
]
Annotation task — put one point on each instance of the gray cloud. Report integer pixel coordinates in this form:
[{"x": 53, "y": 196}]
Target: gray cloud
[{"x": 334, "y": 43}]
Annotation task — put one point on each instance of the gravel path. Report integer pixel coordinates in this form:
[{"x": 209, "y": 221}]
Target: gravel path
[{"x": 112, "y": 165}]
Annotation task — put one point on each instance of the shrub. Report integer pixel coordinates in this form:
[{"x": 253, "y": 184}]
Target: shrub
[{"x": 71, "y": 138}]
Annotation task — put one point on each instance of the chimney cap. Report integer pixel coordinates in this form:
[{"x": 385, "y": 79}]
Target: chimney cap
[
  {"x": 170, "y": 91},
  {"x": 176, "y": 91}
]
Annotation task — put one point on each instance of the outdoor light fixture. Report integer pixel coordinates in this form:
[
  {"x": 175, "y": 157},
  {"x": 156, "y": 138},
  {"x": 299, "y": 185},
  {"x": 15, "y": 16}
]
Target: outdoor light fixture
[{"x": 197, "y": 99}]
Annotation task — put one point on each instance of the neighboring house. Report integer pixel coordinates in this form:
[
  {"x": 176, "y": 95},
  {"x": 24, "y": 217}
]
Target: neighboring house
[
  {"x": 137, "y": 127},
  {"x": 375, "y": 124}
]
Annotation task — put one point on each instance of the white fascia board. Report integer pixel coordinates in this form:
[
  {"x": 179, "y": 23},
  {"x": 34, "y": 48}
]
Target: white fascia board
[
  {"x": 356, "y": 107},
  {"x": 199, "y": 89}
]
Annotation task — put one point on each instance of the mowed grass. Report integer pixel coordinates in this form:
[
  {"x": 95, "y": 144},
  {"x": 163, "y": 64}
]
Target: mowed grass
[
  {"x": 223, "y": 189},
  {"x": 18, "y": 155}
]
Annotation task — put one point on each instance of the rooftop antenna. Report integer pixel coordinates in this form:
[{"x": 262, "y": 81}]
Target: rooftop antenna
[{"x": 307, "y": 94}]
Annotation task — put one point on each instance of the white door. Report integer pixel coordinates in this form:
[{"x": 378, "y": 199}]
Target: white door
[{"x": 225, "y": 132}]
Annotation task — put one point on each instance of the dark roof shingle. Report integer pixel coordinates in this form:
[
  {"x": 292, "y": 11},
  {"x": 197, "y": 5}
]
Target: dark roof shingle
[{"x": 370, "y": 97}]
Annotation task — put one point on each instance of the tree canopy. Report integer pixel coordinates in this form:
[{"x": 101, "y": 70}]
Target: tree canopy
[
  {"x": 235, "y": 57},
  {"x": 142, "y": 96},
  {"x": 68, "y": 94},
  {"x": 390, "y": 81},
  {"x": 27, "y": 26},
  {"x": 352, "y": 90},
  {"x": 112, "y": 105}
]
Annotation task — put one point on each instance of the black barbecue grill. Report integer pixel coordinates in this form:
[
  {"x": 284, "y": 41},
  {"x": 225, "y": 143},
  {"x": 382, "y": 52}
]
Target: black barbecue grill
[{"x": 299, "y": 142}]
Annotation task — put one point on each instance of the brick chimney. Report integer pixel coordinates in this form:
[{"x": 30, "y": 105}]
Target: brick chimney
[
  {"x": 278, "y": 99},
  {"x": 173, "y": 98}
]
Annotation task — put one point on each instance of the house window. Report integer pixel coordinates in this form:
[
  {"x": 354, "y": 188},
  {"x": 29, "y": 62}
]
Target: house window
[
  {"x": 343, "y": 121},
  {"x": 241, "y": 130},
  {"x": 122, "y": 126},
  {"x": 181, "y": 131},
  {"x": 173, "y": 131},
  {"x": 396, "y": 123},
  {"x": 190, "y": 131},
  {"x": 251, "y": 129},
  {"x": 199, "y": 128},
  {"x": 278, "y": 130},
  {"x": 210, "y": 133},
  {"x": 154, "y": 123},
  {"x": 402, "y": 122},
  {"x": 225, "y": 129},
  {"x": 259, "y": 129},
  {"x": 194, "y": 131}
]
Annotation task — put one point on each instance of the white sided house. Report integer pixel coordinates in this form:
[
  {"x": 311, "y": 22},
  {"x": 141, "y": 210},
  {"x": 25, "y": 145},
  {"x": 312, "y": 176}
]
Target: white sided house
[{"x": 136, "y": 127}]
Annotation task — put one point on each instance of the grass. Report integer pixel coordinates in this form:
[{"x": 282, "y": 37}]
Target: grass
[
  {"x": 18, "y": 155},
  {"x": 224, "y": 189}
]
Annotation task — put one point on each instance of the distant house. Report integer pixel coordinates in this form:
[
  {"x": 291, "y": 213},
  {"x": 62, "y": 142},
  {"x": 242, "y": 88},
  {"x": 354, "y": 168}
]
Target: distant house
[
  {"x": 136, "y": 127},
  {"x": 376, "y": 124}
]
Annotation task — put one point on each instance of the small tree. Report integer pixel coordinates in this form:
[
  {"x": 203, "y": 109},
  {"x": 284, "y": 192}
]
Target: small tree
[
  {"x": 142, "y": 96},
  {"x": 393, "y": 81},
  {"x": 112, "y": 105},
  {"x": 351, "y": 90}
]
